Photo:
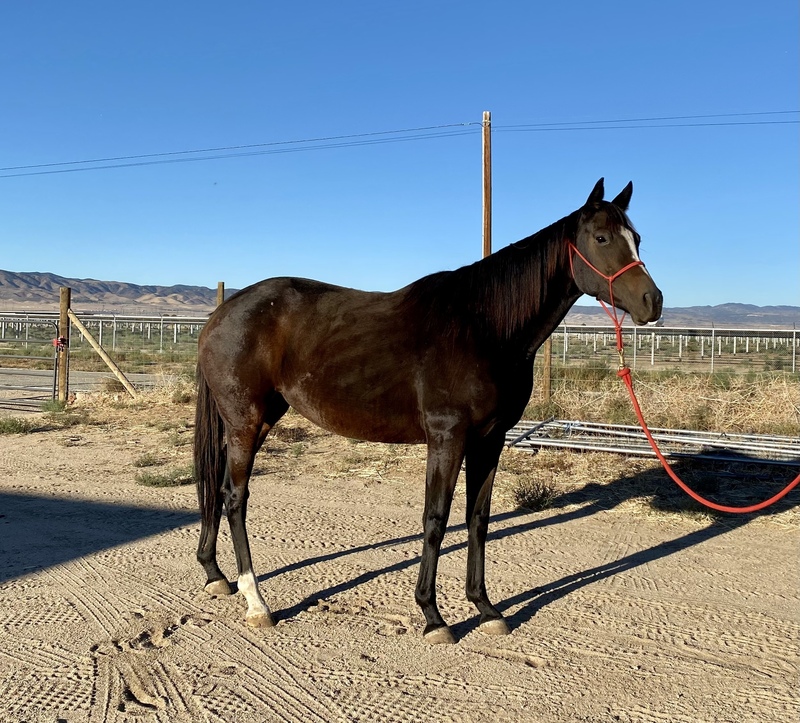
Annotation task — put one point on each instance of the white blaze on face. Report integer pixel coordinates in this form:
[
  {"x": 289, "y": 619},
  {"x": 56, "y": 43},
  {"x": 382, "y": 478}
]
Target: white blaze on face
[{"x": 628, "y": 236}]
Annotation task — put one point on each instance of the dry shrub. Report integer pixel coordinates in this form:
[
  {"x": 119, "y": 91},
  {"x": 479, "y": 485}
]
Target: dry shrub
[{"x": 533, "y": 494}]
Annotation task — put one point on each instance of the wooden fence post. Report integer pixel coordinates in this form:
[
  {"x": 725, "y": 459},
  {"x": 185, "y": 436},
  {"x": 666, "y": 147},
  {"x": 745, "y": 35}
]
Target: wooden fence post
[
  {"x": 547, "y": 370},
  {"x": 220, "y": 292},
  {"x": 65, "y": 298}
]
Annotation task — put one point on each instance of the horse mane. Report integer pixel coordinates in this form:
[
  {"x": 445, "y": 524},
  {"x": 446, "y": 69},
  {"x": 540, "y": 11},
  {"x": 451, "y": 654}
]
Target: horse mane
[{"x": 499, "y": 294}]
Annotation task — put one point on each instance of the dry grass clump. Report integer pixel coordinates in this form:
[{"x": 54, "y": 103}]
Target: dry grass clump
[
  {"x": 171, "y": 478},
  {"x": 16, "y": 425},
  {"x": 169, "y": 390},
  {"x": 735, "y": 404},
  {"x": 720, "y": 403},
  {"x": 148, "y": 459}
]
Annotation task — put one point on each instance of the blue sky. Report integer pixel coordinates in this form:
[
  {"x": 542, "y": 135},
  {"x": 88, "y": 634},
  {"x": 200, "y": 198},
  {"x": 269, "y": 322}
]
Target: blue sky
[{"x": 716, "y": 203}]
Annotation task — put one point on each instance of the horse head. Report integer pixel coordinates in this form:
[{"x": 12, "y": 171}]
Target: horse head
[{"x": 608, "y": 266}]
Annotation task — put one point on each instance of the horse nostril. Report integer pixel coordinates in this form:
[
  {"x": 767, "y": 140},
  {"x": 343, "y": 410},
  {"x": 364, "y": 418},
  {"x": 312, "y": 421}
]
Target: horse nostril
[{"x": 653, "y": 301}]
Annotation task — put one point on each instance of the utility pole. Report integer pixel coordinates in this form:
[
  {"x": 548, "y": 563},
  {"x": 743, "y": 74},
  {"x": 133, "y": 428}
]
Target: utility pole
[{"x": 487, "y": 183}]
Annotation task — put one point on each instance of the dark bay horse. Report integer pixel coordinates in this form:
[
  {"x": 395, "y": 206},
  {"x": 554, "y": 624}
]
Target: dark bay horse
[{"x": 446, "y": 361}]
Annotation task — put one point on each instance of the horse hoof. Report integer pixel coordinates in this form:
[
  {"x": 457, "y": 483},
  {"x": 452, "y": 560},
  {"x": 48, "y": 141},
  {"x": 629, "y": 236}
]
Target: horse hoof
[
  {"x": 218, "y": 587},
  {"x": 260, "y": 620},
  {"x": 440, "y": 636},
  {"x": 498, "y": 626}
]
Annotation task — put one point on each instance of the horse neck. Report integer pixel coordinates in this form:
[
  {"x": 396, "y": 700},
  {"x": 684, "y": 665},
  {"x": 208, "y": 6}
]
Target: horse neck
[{"x": 527, "y": 288}]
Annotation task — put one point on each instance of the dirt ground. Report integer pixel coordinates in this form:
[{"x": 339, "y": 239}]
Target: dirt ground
[{"x": 622, "y": 605}]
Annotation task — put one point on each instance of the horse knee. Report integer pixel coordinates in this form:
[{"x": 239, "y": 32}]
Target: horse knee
[{"x": 434, "y": 528}]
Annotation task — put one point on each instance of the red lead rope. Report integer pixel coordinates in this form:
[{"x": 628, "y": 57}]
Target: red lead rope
[{"x": 624, "y": 373}]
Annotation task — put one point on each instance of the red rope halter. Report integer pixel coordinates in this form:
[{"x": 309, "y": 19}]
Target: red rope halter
[
  {"x": 624, "y": 373},
  {"x": 573, "y": 249}
]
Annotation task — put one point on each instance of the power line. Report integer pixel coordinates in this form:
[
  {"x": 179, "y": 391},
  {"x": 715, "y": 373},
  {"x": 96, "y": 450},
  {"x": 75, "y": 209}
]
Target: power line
[
  {"x": 657, "y": 118},
  {"x": 238, "y": 147},
  {"x": 519, "y": 129},
  {"x": 243, "y": 154},
  {"x": 391, "y": 136}
]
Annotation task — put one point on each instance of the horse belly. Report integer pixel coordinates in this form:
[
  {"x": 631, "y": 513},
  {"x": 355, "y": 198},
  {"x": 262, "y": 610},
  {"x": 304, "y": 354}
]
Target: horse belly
[
  {"x": 357, "y": 414},
  {"x": 359, "y": 398}
]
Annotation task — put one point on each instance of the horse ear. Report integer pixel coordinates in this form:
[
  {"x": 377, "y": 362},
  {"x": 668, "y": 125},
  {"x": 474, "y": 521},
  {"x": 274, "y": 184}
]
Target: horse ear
[
  {"x": 624, "y": 197},
  {"x": 596, "y": 195}
]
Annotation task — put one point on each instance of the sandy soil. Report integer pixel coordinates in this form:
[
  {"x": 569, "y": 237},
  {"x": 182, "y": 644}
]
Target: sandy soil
[{"x": 621, "y": 607}]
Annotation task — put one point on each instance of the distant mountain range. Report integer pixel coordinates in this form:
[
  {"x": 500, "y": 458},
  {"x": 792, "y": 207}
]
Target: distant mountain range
[
  {"x": 40, "y": 292},
  {"x": 724, "y": 316}
]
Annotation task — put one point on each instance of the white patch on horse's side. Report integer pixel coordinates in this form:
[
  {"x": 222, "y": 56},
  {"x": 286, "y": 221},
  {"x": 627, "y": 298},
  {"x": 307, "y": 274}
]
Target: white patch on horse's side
[{"x": 248, "y": 586}]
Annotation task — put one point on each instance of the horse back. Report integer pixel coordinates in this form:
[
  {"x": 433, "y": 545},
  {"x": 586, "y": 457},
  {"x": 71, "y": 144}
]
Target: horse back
[{"x": 361, "y": 364}]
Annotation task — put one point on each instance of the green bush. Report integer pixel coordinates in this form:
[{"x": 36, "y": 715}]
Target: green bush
[
  {"x": 171, "y": 478},
  {"x": 16, "y": 425}
]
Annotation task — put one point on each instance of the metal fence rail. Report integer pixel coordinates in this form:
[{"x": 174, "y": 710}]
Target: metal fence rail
[{"x": 674, "y": 443}]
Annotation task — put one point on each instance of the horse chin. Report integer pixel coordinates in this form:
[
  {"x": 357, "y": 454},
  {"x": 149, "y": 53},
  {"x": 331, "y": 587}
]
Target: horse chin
[
  {"x": 643, "y": 320},
  {"x": 640, "y": 317}
]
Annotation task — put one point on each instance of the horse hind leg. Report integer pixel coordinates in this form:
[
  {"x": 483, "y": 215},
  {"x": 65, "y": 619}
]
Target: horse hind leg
[
  {"x": 242, "y": 448},
  {"x": 216, "y": 582}
]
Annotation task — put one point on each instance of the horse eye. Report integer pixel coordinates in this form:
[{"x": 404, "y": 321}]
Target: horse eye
[{"x": 601, "y": 239}]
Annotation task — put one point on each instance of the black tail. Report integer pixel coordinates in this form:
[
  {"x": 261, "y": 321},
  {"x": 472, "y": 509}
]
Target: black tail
[{"x": 209, "y": 450}]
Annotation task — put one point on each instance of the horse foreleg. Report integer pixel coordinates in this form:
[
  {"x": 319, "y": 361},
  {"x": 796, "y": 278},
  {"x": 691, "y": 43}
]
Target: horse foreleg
[
  {"x": 482, "y": 460},
  {"x": 240, "y": 464},
  {"x": 445, "y": 454}
]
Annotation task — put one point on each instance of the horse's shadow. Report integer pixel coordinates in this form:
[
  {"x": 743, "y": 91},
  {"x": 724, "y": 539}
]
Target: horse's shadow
[
  {"x": 39, "y": 531},
  {"x": 591, "y": 498}
]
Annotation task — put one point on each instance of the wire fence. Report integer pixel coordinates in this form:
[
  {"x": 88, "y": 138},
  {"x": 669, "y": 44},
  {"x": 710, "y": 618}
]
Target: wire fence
[
  {"x": 27, "y": 362},
  {"x": 138, "y": 344},
  {"x": 584, "y": 356},
  {"x": 583, "y": 362},
  {"x": 680, "y": 349}
]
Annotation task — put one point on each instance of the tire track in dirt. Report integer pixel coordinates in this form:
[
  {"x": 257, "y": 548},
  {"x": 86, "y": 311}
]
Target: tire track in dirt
[
  {"x": 120, "y": 681},
  {"x": 97, "y": 598},
  {"x": 723, "y": 634},
  {"x": 136, "y": 676},
  {"x": 277, "y": 679}
]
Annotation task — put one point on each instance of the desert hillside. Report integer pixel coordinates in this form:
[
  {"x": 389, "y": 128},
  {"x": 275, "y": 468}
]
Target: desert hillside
[{"x": 35, "y": 291}]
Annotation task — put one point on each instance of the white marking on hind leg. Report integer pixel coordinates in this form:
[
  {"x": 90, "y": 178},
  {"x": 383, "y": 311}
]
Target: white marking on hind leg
[{"x": 258, "y": 614}]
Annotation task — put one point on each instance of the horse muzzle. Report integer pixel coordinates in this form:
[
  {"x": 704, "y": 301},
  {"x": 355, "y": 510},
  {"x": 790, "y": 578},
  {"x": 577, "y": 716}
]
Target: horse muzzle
[{"x": 649, "y": 307}]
